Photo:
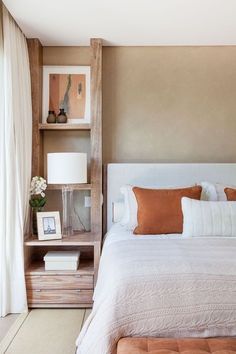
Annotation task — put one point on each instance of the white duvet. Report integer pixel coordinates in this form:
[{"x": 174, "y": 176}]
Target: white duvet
[{"x": 162, "y": 286}]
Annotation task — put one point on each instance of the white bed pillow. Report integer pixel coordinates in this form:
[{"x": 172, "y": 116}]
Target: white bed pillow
[
  {"x": 220, "y": 190},
  {"x": 129, "y": 219},
  {"x": 130, "y": 208},
  {"x": 204, "y": 218},
  {"x": 214, "y": 191},
  {"x": 125, "y": 218},
  {"x": 209, "y": 192}
]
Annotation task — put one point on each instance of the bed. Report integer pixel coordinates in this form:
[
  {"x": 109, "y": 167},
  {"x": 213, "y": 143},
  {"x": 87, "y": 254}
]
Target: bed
[{"x": 161, "y": 286}]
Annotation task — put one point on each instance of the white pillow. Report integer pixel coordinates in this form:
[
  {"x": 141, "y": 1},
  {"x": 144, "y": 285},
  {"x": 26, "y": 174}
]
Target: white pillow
[
  {"x": 125, "y": 218},
  {"x": 220, "y": 189},
  {"x": 208, "y": 191},
  {"x": 118, "y": 209},
  {"x": 129, "y": 219},
  {"x": 215, "y": 190},
  {"x": 202, "y": 218},
  {"x": 131, "y": 208}
]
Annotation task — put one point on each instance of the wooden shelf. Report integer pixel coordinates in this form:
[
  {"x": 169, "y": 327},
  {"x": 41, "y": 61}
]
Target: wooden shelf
[
  {"x": 38, "y": 268},
  {"x": 46, "y": 289},
  {"x": 79, "y": 187},
  {"x": 67, "y": 126},
  {"x": 81, "y": 239}
]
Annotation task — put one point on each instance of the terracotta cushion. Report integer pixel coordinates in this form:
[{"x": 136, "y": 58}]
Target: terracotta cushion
[
  {"x": 230, "y": 194},
  {"x": 159, "y": 210},
  {"x": 172, "y": 346}
]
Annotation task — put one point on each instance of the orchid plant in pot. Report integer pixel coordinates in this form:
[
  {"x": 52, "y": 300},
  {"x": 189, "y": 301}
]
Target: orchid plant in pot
[{"x": 37, "y": 199}]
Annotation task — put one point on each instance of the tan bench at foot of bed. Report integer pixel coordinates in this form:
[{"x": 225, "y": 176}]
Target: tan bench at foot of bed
[{"x": 171, "y": 346}]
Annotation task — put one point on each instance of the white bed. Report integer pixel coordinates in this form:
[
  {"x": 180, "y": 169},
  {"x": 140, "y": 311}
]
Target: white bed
[{"x": 163, "y": 286}]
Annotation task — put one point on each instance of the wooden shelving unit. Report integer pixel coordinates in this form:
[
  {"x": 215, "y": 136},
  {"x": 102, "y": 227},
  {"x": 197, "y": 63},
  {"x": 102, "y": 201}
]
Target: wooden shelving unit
[{"x": 63, "y": 288}]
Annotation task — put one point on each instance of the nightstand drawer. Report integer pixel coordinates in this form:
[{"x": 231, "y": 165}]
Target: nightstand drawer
[
  {"x": 59, "y": 297},
  {"x": 76, "y": 281}
]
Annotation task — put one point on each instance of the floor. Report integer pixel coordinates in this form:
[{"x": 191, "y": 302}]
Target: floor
[
  {"x": 45, "y": 331},
  {"x": 5, "y": 324}
]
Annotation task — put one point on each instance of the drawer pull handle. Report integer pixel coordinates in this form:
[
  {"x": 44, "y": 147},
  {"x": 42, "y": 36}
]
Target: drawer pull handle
[
  {"x": 78, "y": 276},
  {"x": 78, "y": 290},
  {"x": 38, "y": 290}
]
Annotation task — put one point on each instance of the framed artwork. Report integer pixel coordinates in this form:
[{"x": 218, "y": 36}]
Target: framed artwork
[
  {"x": 49, "y": 225},
  {"x": 68, "y": 88}
]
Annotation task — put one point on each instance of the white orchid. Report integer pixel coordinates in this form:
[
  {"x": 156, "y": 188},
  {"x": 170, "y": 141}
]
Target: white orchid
[
  {"x": 38, "y": 197},
  {"x": 38, "y": 186}
]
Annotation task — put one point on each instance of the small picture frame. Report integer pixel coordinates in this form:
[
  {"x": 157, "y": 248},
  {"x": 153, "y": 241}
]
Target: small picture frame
[{"x": 49, "y": 225}]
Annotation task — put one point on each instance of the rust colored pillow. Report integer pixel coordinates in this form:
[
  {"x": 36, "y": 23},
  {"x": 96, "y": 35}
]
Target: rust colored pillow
[
  {"x": 159, "y": 210},
  {"x": 230, "y": 194}
]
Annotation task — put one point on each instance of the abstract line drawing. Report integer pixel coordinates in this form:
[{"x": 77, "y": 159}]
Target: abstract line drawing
[{"x": 68, "y": 91}]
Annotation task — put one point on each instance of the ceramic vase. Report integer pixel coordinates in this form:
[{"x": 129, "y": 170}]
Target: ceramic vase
[
  {"x": 51, "y": 117},
  {"x": 62, "y": 117}
]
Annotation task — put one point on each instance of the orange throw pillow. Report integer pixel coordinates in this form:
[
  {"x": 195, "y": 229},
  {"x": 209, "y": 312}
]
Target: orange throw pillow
[
  {"x": 159, "y": 210},
  {"x": 230, "y": 194}
]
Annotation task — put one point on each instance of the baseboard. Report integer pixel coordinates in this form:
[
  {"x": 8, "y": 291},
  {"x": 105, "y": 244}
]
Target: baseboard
[{"x": 6, "y": 341}]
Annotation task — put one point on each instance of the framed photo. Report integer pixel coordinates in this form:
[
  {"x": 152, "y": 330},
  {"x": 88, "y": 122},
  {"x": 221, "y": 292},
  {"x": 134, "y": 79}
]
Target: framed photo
[
  {"x": 68, "y": 88},
  {"x": 49, "y": 225}
]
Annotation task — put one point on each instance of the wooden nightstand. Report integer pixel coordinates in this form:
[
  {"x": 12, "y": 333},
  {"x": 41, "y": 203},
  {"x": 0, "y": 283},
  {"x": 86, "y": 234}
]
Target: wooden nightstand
[{"x": 62, "y": 288}]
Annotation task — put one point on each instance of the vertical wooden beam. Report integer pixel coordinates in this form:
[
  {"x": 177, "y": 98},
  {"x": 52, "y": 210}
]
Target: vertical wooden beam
[
  {"x": 96, "y": 135},
  {"x": 35, "y": 50}
]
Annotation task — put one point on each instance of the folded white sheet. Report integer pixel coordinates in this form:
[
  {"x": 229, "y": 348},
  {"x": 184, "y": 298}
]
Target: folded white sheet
[{"x": 163, "y": 286}]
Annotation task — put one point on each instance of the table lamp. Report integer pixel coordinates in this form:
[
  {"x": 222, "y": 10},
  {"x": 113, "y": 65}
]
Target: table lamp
[{"x": 67, "y": 168}]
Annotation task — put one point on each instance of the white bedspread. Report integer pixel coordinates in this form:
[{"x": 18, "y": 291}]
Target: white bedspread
[{"x": 161, "y": 286}]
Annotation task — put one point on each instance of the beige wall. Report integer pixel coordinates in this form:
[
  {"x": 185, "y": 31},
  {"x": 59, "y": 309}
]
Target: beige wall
[
  {"x": 175, "y": 104},
  {"x": 164, "y": 104}
]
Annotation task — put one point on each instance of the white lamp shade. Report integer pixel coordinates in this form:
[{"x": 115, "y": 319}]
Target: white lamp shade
[{"x": 67, "y": 168}]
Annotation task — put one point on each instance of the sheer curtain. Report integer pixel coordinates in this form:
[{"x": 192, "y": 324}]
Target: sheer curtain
[{"x": 15, "y": 163}]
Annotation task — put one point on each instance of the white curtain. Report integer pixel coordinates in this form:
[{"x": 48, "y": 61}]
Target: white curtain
[{"x": 15, "y": 163}]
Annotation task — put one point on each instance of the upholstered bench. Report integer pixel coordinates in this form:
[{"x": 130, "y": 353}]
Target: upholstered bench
[{"x": 171, "y": 346}]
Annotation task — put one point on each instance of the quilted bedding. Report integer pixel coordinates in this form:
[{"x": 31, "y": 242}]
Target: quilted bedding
[{"x": 161, "y": 286}]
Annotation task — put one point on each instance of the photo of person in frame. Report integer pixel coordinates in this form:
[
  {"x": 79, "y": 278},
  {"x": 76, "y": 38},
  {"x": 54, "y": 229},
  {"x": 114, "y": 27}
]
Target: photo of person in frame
[{"x": 49, "y": 225}]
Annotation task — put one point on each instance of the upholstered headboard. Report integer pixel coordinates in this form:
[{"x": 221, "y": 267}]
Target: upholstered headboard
[{"x": 163, "y": 175}]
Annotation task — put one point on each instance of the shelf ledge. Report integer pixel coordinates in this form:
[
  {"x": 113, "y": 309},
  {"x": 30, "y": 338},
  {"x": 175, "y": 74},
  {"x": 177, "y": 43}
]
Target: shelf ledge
[
  {"x": 84, "y": 186},
  {"x": 80, "y": 239},
  {"x": 38, "y": 268},
  {"x": 66, "y": 126}
]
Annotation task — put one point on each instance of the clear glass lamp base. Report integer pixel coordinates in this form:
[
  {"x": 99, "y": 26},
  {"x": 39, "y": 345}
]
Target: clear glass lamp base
[{"x": 68, "y": 209}]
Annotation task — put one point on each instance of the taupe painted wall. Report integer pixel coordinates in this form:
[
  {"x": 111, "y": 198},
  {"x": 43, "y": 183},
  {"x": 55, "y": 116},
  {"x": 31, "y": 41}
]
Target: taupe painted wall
[
  {"x": 175, "y": 104},
  {"x": 164, "y": 104}
]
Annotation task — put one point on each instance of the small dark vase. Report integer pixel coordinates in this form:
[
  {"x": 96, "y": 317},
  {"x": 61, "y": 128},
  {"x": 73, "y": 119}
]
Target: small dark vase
[
  {"x": 51, "y": 117},
  {"x": 62, "y": 117}
]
